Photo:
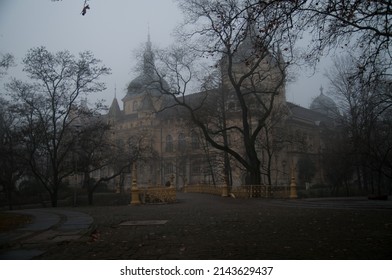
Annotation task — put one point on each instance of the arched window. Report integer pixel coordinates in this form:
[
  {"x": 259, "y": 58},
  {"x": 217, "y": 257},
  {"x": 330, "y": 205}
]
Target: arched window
[
  {"x": 231, "y": 106},
  {"x": 169, "y": 168},
  {"x": 181, "y": 142},
  {"x": 196, "y": 168},
  {"x": 169, "y": 143},
  {"x": 195, "y": 141},
  {"x": 135, "y": 106}
]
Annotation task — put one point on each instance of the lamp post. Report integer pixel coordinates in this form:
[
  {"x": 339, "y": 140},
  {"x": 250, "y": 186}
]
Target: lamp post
[
  {"x": 225, "y": 188},
  {"x": 172, "y": 180},
  {"x": 135, "y": 200},
  {"x": 284, "y": 177},
  {"x": 293, "y": 184},
  {"x": 77, "y": 127}
]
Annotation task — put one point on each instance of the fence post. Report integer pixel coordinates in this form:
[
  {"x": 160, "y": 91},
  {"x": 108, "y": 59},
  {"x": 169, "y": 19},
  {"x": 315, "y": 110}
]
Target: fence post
[
  {"x": 135, "y": 200},
  {"x": 293, "y": 185},
  {"x": 225, "y": 188}
]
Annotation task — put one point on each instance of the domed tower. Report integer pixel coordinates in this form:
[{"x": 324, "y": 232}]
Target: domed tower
[
  {"x": 147, "y": 83},
  {"x": 324, "y": 105}
]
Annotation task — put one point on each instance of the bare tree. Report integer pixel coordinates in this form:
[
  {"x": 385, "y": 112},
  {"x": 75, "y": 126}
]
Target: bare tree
[
  {"x": 12, "y": 167},
  {"x": 363, "y": 28},
  {"x": 6, "y": 61},
  {"x": 45, "y": 107},
  {"x": 94, "y": 151},
  {"x": 366, "y": 119},
  {"x": 272, "y": 141},
  {"x": 249, "y": 40},
  {"x": 338, "y": 161}
]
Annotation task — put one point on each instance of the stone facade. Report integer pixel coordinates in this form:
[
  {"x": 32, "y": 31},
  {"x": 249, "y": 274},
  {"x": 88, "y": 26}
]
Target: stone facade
[{"x": 180, "y": 156}]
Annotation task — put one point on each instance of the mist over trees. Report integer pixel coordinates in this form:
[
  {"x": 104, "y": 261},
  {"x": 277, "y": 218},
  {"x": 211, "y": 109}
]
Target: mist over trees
[
  {"x": 251, "y": 44},
  {"x": 241, "y": 47},
  {"x": 6, "y": 61},
  {"x": 361, "y": 28},
  {"x": 360, "y": 81},
  {"x": 47, "y": 109},
  {"x": 366, "y": 120},
  {"x": 262, "y": 36}
]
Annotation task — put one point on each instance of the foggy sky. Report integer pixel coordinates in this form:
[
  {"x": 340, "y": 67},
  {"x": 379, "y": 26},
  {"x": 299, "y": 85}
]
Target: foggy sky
[{"x": 112, "y": 30}]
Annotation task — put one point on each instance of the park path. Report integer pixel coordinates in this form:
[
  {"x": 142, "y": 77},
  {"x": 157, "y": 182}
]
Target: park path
[{"x": 203, "y": 226}]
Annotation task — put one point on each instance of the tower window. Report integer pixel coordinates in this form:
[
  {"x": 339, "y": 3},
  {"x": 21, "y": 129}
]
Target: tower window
[
  {"x": 181, "y": 142},
  {"x": 169, "y": 143},
  {"x": 135, "y": 106},
  {"x": 195, "y": 141}
]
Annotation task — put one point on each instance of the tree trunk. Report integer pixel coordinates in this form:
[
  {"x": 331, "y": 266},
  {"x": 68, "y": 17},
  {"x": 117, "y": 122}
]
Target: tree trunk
[
  {"x": 90, "y": 189},
  {"x": 53, "y": 197},
  {"x": 254, "y": 176},
  {"x": 90, "y": 195},
  {"x": 9, "y": 197},
  {"x": 253, "y": 168}
]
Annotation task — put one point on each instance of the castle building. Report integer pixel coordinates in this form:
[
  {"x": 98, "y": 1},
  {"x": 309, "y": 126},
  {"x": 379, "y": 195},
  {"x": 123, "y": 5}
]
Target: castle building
[{"x": 175, "y": 151}]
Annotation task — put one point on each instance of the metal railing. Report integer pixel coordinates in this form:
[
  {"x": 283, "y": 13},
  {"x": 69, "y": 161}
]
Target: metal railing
[{"x": 243, "y": 191}]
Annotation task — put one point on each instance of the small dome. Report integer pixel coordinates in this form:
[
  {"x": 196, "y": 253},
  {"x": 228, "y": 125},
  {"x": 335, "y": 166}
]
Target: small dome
[
  {"x": 324, "y": 105},
  {"x": 147, "y": 83}
]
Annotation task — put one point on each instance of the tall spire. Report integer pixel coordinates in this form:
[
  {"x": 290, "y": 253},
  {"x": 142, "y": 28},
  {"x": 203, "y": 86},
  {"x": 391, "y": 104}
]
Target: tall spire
[
  {"x": 114, "y": 109},
  {"x": 148, "y": 56},
  {"x": 148, "y": 36},
  {"x": 321, "y": 90}
]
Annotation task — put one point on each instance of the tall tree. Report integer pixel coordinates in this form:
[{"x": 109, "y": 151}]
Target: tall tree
[
  {"x": 251, "y": 43},
  {"x": 96, "y": 151},
  {"x": 366, "y": 119},
  {"x": 363, "y": 28},
  {"x": 6, "y": 61},
  {"x": 58, "y": 81},
  {"x": 12, "y": 167}
]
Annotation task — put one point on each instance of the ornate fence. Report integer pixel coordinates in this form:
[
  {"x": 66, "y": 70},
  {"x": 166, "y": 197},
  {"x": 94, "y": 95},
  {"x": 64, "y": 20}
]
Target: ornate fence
[
  {"x": 204, "y": 188},
  {"x": 245, "y": 191},
  {"x": 168, "y": 194},
  {"x": 158, "y": 195},
  {"x": 251, "y": 191}
]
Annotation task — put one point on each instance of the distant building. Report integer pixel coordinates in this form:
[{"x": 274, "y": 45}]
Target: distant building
[
  {"x": 325, "y": 105},
  {"x": 182, "y": 156}
]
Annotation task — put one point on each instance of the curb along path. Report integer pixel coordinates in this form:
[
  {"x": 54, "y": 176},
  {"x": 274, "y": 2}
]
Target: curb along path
[
  {"x": 212, "y": 227},
  {"x": 49, "y": 226}
]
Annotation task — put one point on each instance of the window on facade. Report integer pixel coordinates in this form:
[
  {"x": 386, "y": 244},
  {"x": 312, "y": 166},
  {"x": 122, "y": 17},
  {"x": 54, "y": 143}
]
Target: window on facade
[
  {"x": 195, "y": 142},
  {"x": 181, "y": 142},
  {"x": 196, "y": 168},
  {"x": 135, "y": 105},
  {"x": 169, "y": 143},
  {"x": 169, "y": 168}
]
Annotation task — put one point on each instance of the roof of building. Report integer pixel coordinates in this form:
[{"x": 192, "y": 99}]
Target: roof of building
[
  {"x": 325, "y": 105},
  {"x": 114, "y": 109},
  {"x": 309, "y": 116},
  {"x": 148, "y": 81}
]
